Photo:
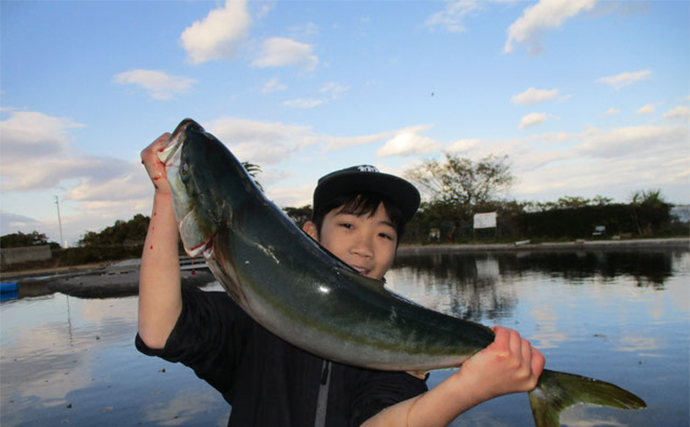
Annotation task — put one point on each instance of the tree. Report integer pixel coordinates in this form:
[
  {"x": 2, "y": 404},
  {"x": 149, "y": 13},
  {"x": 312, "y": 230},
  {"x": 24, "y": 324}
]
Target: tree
[
  {"x": 299, "y": 215},
  {"x": 253, "y": 170},
  {"x": 120, "y": 233},
  {"x": 569, "y": 202},
  {"x": 649, "y": 210},
  {"x": 19, "y": 239},
  {"x": 461, "y": 182}
]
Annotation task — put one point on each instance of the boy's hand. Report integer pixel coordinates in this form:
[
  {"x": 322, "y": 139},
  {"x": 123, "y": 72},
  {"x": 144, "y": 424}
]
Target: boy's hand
[
  {"x": 154, "y": 167},
  {"x": 508, "y": 365}
]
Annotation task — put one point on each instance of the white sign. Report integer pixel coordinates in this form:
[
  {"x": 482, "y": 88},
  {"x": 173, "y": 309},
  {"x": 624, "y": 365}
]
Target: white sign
[{"x": 485, "y": 220}]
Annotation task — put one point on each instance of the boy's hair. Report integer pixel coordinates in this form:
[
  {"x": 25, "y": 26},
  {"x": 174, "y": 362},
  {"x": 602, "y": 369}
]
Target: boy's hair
[{"x": 360, "y": 203}]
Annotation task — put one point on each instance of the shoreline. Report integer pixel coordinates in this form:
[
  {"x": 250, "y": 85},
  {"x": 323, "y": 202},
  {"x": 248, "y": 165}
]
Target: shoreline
[
  {"x": 663, "y": 243},
  {"x": 105, "y": 280}
]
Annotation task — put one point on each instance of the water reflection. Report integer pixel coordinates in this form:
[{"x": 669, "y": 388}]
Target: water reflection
[
  {"x": 466, "y": 283},
  {"x": 618, "y": 316},
  {"x": 650, "y": 266},
  {"x": 67, "y": 360},
  {"x": 477, "y": 286}
]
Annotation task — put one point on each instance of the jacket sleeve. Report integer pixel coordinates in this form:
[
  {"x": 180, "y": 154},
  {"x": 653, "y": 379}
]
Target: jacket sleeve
[
  {"x": 207, "y": 337},
  {"x": 377, "y": 390}
]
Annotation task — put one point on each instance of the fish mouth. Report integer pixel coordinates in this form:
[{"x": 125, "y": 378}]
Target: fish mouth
[{"x": 170, "y": 153}]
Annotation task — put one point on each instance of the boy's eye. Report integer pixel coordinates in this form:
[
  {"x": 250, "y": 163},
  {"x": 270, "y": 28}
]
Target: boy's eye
[
  {"x": 346, "y": 225},
  {"x": 386, "y": 236}
]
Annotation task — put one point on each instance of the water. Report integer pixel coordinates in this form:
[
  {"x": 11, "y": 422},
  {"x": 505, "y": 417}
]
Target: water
[{"x": 621, "y": 316}]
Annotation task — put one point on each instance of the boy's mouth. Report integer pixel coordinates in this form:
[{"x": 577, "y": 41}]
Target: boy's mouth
[{"x": 363, "y": 271}]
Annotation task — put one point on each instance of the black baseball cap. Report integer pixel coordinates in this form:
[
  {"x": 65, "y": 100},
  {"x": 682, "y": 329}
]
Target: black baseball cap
[{"x": 368, "y": 178}]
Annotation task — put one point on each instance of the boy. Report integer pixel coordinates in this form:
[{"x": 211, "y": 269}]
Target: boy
[{"x": 359, "y": 216}]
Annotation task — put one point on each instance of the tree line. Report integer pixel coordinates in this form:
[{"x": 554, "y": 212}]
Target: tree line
[{"x": 455, "y": 189}]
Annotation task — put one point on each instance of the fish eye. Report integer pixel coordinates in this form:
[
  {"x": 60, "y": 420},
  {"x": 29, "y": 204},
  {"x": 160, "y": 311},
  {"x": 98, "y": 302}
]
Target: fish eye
[{"x": 185, "y": 167}]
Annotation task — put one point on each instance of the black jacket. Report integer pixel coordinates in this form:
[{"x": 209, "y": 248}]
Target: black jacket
[{"x": 268, "y": 381}]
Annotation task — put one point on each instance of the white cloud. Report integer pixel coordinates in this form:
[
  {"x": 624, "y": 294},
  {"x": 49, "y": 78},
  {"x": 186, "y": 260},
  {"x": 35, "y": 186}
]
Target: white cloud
[
  {"x": 333, "y": 90},
  {"x": 545, "y": 15},
  {"x": 408, "y": 142},
  {"x": 30, "y": 135},
  {"x": 452, "y": 16},
  {"x": 217, "y": 36},
  {"x": 35, "y": 155},
  {"x": 611, "y": 111},
  {"x": 534, "y": 96},
  {"x": 56, "y": 172},
  {"x": 303, "y": 103},
  {"x": 306, "y": 30},
  {"x": 11, "y": 223},
  {"x": 625, "y": 79},
  {"x": 290, "y": 196},
  {"x": 646, "y": 109},
  {"x": 634, "y": 141},
  {"x": 328, "y": 92},
  {"x": 30, "y": 139},
  {"x": 532, "y": 119},
  {"x": 260, "y": 142},
  {"x": 341, "y": 142},
  {"x": 281, "y": 52},
  {"x": 158, "y": 84},
  {"x": 463, "y": 145},
  {"x": 553, "y": 164},
  {"x": 130, "y": 182},
  {"x": 273, "y": 85},
  {"x": 681, "y": 113},
  {"x": 550, "y": 165}
]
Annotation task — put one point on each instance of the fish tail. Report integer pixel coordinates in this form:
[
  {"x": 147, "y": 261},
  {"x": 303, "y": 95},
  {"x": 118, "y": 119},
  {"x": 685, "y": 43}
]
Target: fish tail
[{"x": 557, "y": 391}]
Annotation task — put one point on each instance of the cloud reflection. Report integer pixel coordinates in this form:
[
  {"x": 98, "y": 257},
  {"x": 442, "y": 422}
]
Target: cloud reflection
[
  {"x": 546, "y": 334},
  {"x": 186, "y": 407}
]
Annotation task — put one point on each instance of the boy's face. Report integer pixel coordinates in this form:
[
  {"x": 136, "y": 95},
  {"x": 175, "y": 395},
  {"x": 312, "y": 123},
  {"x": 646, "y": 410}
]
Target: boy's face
[{"x": 366, "y": 243}]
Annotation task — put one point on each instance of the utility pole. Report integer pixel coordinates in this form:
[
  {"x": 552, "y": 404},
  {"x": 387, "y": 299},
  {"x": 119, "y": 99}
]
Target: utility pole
[{"x": 57, "y": 203}]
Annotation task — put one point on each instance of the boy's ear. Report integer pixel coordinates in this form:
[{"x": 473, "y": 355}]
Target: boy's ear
[{"x": 310, "y": 228}]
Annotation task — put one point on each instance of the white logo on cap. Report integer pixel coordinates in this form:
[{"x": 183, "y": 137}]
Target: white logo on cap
[{"x": 367, "y": 169}]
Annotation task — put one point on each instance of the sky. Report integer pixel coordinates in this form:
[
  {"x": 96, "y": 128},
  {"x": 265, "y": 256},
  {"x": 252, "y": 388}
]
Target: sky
[{"x": 585, "y": 97}]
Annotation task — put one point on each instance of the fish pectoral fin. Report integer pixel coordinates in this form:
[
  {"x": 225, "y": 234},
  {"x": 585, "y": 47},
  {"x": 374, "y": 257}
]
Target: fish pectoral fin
[
  {"x": 557, "y": 391},
  {"x": 194, "y": 239}
]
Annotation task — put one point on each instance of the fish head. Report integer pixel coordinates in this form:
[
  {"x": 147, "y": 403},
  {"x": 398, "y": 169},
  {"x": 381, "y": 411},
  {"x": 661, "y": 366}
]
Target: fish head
[{"x": 197, "y": 167}]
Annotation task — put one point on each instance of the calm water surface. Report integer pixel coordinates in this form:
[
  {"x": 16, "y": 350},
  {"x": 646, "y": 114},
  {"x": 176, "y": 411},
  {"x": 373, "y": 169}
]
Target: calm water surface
[{"x": 622, "y": 317}]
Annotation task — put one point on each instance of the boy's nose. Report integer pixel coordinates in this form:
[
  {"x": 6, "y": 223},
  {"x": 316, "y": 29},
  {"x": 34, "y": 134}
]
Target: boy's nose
[{"x": 362, "y": 246}]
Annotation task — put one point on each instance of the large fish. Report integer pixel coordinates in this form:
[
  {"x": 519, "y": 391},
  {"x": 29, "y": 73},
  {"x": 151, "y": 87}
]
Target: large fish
[{"x": 303, "y": 294}]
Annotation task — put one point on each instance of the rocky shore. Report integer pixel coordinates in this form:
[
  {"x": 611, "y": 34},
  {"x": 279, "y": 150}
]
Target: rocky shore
[{"x": 99, "y": 281}]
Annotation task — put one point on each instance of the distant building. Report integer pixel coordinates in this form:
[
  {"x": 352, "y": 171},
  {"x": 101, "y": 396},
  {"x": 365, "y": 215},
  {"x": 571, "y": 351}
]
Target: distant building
[
  {"x": 681, "y": 213},
  {"x": 10, "y": 256}
]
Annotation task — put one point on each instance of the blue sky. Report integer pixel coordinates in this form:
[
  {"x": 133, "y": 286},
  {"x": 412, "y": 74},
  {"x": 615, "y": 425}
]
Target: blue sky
[{"x": 586, "y": 97}]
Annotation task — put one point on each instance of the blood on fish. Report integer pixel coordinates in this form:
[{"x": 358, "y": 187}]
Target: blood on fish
[{"x": 151, "y": 247}]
